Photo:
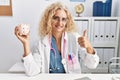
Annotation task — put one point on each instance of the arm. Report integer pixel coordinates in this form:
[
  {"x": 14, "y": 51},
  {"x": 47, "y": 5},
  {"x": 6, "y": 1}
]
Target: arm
[
  {"x": 25, "y": 39},
  {"x": 32, "y": 63},
  {"x": 90, "y": 59}
]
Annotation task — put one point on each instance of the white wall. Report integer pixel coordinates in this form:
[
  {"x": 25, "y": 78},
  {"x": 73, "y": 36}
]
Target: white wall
[{"x": 28, "y": 11}]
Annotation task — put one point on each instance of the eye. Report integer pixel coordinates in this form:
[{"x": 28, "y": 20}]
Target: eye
[
  {"x": 64, "y": 19},
  {"x": 55, "y": 17}
]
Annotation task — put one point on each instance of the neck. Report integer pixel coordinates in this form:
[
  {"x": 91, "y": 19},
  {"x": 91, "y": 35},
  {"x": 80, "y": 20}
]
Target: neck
[{"x": 57, "y": 36}]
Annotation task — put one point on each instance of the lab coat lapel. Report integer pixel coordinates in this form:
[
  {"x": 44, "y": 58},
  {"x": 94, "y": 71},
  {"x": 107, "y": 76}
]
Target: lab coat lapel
[
  {"x": 64, "y": 37},
  {"x": 46, "y": 52}
]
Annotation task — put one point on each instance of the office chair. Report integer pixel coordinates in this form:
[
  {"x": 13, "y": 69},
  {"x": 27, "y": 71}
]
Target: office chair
[{"x": 114, "y": 65}]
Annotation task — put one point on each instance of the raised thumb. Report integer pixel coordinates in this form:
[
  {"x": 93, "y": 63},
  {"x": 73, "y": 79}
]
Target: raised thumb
[{"x": 85, "y": 33}]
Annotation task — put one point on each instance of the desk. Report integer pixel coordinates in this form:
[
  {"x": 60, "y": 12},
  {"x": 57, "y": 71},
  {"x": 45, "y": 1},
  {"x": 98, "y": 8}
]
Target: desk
[{"x": 13, "y": 76}]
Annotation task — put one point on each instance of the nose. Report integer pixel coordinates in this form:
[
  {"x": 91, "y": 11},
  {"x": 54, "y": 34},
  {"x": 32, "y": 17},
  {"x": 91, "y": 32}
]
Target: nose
[{"x": 60, "y": 22}]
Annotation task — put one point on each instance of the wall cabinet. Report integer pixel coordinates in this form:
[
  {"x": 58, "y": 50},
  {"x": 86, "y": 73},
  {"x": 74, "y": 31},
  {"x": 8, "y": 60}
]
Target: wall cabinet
[{"x": 103, "y": 32}]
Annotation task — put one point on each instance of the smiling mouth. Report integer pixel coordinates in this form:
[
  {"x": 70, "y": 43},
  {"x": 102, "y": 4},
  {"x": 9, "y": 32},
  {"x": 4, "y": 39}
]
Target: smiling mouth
[{"x": 58, "y": 27}]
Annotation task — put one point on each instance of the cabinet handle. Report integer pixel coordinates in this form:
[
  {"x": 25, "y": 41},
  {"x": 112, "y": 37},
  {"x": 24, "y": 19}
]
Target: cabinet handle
[
  {"x": 100, "y": 62},
  {"x": 105, "y": 62},
  {"x": 110, "y": 62},
  {"x": 96, "y": 36},
  {"x": 101, "y": 36},
  {"x": 112, "y": 36},
  {"x": 106, "y": 36}
]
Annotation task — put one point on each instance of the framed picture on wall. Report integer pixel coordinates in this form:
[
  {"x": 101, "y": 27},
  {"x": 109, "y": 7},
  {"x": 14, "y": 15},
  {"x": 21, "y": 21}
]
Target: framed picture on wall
[
  {"x": 77, "y": 0},
  {"x": 5, "y": 7}
]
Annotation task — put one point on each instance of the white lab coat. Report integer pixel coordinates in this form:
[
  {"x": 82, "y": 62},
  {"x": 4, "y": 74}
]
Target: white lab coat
[{"x": 38, "y": 61}]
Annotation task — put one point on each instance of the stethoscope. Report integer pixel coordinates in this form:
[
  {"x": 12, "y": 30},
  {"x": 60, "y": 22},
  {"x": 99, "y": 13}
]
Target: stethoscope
[
  {"x": 56, "y": 67},
  {"x": 54, "y": 51}
]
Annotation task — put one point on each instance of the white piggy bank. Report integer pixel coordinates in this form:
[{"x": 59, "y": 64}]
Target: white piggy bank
[{"x": 24, "y": 29}]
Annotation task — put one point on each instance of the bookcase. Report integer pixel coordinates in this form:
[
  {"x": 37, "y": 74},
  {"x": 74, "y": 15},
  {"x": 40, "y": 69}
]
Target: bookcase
[{"x": 103, "y": 33}]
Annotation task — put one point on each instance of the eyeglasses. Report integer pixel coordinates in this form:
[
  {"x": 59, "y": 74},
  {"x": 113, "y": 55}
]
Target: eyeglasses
[{"x": 57, "y": 19}]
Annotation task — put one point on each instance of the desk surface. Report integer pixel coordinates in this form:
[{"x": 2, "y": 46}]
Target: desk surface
[{"x": 13, "y": 76}]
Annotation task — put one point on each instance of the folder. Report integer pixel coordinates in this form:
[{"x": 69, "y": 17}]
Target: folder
[
  {"x": 100, "y": 8},
  {"x": 107, "y": 31},
  {"x": 76, "y": 25},
  {"x": 113, "y": 30},
  {"x": 106, "y": 57},
  {"x": 85, "y": 26},
  {"x": 95, "y": 6},
  {"x": 96, "y": 31},
  {"x": 100, "y": 54},
  {"x": 101, "y": 31},
  {"x": 108, "y": 6},
  {"x": 111, "y": 53},
  {"x": 108, "y": 54},
  {"x": 79, "y": 26}
]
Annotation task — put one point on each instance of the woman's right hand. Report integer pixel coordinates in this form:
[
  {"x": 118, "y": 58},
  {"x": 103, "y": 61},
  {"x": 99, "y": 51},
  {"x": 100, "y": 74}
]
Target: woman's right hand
[{"x": 25, "y": 39}]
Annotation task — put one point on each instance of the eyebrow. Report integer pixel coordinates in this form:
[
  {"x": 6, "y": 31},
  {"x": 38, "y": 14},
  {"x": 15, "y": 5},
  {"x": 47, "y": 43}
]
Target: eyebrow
[{"x": 54, "y": 17}]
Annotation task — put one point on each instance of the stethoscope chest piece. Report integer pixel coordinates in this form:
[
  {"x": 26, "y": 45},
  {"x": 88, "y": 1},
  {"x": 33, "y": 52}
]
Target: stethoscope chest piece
[{"x": 63, "y": 61}]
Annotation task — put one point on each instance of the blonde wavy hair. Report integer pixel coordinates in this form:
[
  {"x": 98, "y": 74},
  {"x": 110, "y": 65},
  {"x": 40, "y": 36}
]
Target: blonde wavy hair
[{"x": 45, "y": 26}]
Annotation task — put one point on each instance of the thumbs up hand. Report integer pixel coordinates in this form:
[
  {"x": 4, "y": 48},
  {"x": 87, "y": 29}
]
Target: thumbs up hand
[{"x": 85, "y": 43}]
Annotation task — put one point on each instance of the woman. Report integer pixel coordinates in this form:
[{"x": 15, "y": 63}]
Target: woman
[{"x": 58, "y": 47}]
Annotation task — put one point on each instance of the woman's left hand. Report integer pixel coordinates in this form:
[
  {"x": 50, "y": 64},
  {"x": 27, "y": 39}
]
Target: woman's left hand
[{"x": 85, "y": 43}]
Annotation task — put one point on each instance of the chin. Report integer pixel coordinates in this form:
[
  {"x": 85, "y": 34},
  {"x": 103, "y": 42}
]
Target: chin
[{"x": 59, "y": 30}]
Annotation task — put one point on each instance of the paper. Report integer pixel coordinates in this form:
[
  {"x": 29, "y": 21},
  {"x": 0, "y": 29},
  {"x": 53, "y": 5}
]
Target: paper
[{"x": 4, "y": 2}]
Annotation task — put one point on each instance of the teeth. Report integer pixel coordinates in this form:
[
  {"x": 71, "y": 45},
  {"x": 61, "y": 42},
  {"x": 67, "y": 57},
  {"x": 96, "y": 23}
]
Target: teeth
[{"x": 59, "y": 27}]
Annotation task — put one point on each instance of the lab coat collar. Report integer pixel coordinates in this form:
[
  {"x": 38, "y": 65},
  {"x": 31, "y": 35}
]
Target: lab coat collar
[
  {"x": 64, "y": 35},
  {"x": 63, "y": 45},
  {"x": 48, "y": 37}
]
